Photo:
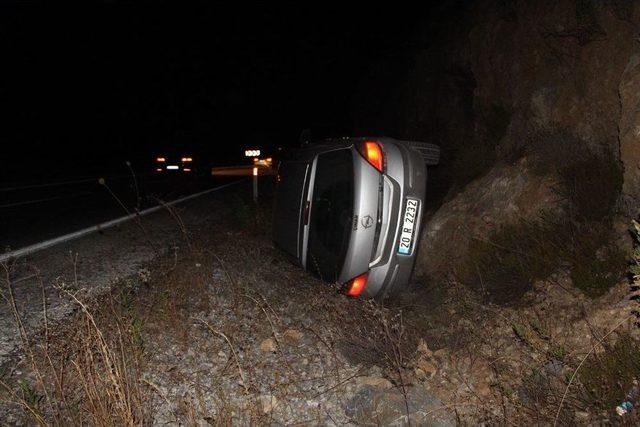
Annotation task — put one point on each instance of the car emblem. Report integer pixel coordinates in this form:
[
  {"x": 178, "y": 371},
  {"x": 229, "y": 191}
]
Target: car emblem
[{"x": 367, "y": 221}]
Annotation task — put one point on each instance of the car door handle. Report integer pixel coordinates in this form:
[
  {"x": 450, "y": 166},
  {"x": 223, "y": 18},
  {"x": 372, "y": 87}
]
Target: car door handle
[{"x": 305, "y": 215}]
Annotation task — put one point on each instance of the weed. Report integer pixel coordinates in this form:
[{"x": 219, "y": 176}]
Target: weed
[
  {"x": 557, "y": 352},
  {"x": 535, "y": 388},
  {"x": 635, "y": 260},
  {"x": 539, "y": 329},
  {"x": 29, "y": 394},
  {"x": 521, "y": 332},
  {"x": 95, "y": 381},
  {"x": 609, "y": 375}
]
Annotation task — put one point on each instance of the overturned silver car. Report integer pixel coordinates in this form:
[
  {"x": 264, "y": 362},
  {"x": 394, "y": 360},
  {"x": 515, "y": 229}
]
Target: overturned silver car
[{"x": 349, "y": 210}]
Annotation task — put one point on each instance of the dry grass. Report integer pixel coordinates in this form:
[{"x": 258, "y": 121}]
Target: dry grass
[
  {"x": 181, "y": 344},
  {"x": 90, "y": 378},
  {"x": 120, "y": 359}
]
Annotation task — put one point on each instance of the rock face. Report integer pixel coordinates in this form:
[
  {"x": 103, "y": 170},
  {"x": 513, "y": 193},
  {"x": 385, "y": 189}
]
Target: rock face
[
  {"x": 630, "y": 132},
  {"x": 505, "y": 80},
  {"x": 485, "y": 83}
]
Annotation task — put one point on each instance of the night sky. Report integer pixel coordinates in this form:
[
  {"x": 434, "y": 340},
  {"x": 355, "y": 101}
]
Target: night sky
[{"x": 83, "y": 90}]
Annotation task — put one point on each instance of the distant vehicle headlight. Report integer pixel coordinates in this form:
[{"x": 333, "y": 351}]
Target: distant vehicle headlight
[
  {"x": 161, "y": 159},
  {"x": 187, "y": 159}
]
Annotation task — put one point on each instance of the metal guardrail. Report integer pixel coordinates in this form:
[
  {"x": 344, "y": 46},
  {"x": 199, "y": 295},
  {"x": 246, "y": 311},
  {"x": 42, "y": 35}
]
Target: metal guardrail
[
  {"x": 77, "y": 234},
  {"x": 17, "y": 187}
]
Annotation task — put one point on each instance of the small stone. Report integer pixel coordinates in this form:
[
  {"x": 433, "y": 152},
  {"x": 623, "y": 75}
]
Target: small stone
[
  {"x": 582, "y": 416},
  {"x": 375, "y": 382},
  {"x": 428, "y": 368},
  {"x": 483, "y": 388},
  {"x": 268, "y": 346},
  {"x": 440, "y": 354},
  {"x": 292, "y": 335},
  {"x": 268, "y": 403},
  {"x": 424, "y": 349}
]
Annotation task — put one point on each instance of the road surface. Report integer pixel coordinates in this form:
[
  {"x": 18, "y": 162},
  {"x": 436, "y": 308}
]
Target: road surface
[{"x": 33, "y": 213}]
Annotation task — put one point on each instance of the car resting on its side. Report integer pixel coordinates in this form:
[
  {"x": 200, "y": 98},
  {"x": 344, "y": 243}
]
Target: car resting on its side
[{"x": 349, "y": 210}]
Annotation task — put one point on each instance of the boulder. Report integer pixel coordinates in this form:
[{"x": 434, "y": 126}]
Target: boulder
[
  {"x": 508, "y": 193},
  {"x": 374, "y": 406}
]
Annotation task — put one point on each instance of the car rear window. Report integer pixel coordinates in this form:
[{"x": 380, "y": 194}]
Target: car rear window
[{"x": 331, "y": 214}]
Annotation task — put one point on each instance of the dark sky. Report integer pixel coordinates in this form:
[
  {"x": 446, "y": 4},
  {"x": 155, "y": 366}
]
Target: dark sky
[{"x": 82, "y": 90}]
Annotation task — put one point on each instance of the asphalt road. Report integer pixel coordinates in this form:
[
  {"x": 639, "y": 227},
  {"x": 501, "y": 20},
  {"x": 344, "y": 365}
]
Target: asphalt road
[{"x": 33, "y": 213}]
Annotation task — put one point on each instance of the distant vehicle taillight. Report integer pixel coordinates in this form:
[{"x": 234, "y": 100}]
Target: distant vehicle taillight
[
  {"x": 356, "y": 286},
  {"x": 372, "y": 152}
]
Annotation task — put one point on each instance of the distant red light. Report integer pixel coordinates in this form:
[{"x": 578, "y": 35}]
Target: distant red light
[{"x": 357, "y": 285}]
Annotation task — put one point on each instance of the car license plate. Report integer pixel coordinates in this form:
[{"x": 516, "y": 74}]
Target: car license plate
[{"x": 408, "y": 226}]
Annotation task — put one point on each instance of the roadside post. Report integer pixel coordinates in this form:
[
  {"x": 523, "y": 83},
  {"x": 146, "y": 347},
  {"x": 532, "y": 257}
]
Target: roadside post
[{"x": 255, "y": 184}]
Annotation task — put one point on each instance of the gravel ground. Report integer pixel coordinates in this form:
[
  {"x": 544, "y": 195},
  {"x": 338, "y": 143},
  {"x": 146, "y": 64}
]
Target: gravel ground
[
  {"x": 96, "y": 262},
  {"x": 220, "y": 328},
  {"x": 209, "y": 324}
]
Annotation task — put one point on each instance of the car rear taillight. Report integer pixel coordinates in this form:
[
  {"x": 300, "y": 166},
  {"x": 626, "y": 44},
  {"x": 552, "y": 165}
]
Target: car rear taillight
[
  {"x": 356, "y": 286},
  {"x": 372, "y": 152}
]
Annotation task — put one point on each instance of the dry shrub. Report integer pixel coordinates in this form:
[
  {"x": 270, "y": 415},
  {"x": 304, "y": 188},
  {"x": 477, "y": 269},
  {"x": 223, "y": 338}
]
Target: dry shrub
[
  {"x": 608, "y": 376},
  {"x": 91, "y": 376}
]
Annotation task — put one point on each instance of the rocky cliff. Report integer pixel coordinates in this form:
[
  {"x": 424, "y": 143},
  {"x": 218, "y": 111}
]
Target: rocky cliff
[{"x": 515, "y": 92}]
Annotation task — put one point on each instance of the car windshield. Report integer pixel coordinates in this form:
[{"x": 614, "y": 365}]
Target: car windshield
[{"x": 331, "y": 214}]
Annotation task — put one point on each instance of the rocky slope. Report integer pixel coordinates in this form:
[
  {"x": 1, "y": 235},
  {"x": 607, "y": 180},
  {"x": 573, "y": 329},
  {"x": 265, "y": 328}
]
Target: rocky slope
[{"x": 525, "y": 99}]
